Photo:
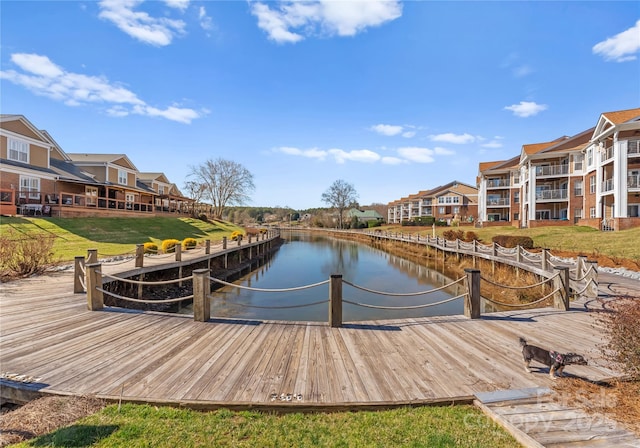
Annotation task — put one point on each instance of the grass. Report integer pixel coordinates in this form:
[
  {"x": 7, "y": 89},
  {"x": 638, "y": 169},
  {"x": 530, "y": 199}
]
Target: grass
[
  {"x": 143, "y": 425},
  {"x": 579, "y": 239},
  {"x": 112, "y": 236}
]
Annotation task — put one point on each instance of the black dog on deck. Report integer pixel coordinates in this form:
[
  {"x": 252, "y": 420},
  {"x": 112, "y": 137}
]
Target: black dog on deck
[{"x": 555, "y": 360}]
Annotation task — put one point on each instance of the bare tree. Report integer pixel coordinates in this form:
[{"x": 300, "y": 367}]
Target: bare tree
[
  {"x": 340, "y": 196},
  {"x": 195, "y": 191},
  {"x": 224, "y": 183}
]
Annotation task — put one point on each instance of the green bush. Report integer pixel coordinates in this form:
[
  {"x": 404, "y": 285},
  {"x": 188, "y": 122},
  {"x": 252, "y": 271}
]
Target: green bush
[
  {"x": 513, "y": 240},
  {"x": 169, "y": 245},
  {"x": 373, "y": 223},
  {"x": 150, "y": 248},
  {"x": 189, "y": 243}
]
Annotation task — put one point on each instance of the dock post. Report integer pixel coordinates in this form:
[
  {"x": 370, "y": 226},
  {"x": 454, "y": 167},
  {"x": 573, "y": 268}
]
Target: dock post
[
  {"x": 592, "y": 290},
  {"x": 201, "y": 291},
  {"x": 335, "y": 300},
  {"x": 92, "y": 256},
  {"x": 139, "y": 255},
  {"x": 78, "y": 274},
  {"x": 95, "y": 298},
  {"x": 207, "y": 247},
  {"x": 545, "y": 260},
  {"x": 224, "y": 242},
  {"x": 561, "y": 283},
  {"x": 178, "y": 250},
  {"x": 472, "y": 299}
]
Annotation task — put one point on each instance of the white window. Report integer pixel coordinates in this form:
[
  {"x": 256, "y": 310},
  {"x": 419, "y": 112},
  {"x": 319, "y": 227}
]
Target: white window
[
  {"x": 18, "y": 150},
  {"x": 577, "y": 162},
  {"x": 442, "y": 210},
  {"x": 129, "y": 198},
  {"x": 590, "y": 157},
  {"x": 516, "y": 197},
  {"x": 456, "y": 210},
  {"x": 30, "y": 185},
  {"x": 160, "y": 189},
  {"x": 592, "y": 184},
  {"x": 592, "y": 212},
  {"x": 577, "y": 188},
  {"x": 633, "y": 210},
  {"x": 577, "y": 213},
  {"x": 122, "y": 177},
  {"x": 516, "y": 216}
]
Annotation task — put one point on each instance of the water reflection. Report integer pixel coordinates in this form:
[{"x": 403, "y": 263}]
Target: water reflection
[{"x": 307, "y": 258}]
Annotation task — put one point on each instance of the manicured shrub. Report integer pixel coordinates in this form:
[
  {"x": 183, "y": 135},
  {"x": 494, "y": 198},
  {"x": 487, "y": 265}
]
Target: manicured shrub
[
  {"x": 235, "y": 235},
  {"x": 169, "y": 245},
  {"x": 513, "y": 240},
  {"x": 372, "y": 223},
  {"x": 189, "y": 243},
  {"x": 453, "y": 235},
  {"x": 471, "y": 236},
  {"x": 150, "y": 248}
]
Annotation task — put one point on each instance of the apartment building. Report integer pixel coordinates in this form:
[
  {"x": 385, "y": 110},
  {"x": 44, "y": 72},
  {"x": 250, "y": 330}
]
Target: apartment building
[
  {"x": 455, "y": 200},
  {"x": 38, "y": 178},
  {"x": 591, "y": 178}
]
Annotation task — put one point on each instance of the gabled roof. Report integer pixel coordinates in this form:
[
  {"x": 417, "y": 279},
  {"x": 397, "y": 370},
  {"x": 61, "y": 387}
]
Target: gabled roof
[
  {"x": 619, "y": 120},
  {"x": 36, "y": 134},
  {"x": 56, "y": 150},
  {"x": 535, "y": 148},
  {"x": 70, "y": 172},
  {"x": 102, "y": 159},
  {"x": 158, "y": 177}
]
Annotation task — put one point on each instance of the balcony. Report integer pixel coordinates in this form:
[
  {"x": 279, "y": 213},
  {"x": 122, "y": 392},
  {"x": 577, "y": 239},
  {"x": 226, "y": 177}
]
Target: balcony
[
  {"x": 607, "y": 185},
  {"x": 497, "y": 183},
  {"x": 633, "y": 148},
  {"x": 551, "y": 195},
  {"x": 633, "y": 181},
  {"x": 607, "y": 154},
  {"x": 498, "y": 202},
  {"x": 552, "y": 170}
]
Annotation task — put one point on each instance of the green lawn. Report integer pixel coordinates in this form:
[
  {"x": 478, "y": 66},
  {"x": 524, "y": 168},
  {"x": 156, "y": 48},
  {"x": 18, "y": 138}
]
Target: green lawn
[
  {"x": 623, "y": 244},
  {"x": 148, "y": 426},
  {"x": 111, "y": 236}
]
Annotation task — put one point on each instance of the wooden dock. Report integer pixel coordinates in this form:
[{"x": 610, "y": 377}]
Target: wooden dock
[{"x": 48, "y": 335}]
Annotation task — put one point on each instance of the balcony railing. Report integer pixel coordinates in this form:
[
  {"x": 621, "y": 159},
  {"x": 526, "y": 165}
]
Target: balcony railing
[
  {"x": 607, "y": 185},
  {"x": 552, "y": 170},
  {"x": 545, "y": 195},
  {"x": 494, "y": 183},
  {"x": 633, "y": 181},
  {"x": 633, "y": 147},
  {"x": 497, "y": 202},
  {"x": 608, "y": 153}
]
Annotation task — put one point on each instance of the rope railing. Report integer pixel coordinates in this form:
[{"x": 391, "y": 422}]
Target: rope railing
[
  {"x": 519, "y": 287},
  {"x": 522, "y": 305},
  {"x": 403, "y": 294},
  {"x": 411, "y": 307},
  {"x": 249, "y": 288},
  {"x": 146, "y": 282},
  {"x": 117, "y": 262},
  {"x": 100, "y": 254},
  {"x": 586, "y": 287},
  {"x": 148, "y": 301},
  {"x": 586, "y": 274}
]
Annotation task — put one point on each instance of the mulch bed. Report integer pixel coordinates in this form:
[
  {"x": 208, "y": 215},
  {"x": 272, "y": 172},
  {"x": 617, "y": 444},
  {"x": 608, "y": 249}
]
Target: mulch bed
[{"x": 43, "y": 416}]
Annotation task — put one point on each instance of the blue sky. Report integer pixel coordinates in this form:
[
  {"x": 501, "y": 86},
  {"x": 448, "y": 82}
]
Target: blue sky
[{"x": 393, "y": 97}]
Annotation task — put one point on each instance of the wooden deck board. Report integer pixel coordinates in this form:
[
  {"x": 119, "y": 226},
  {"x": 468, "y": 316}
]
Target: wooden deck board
[{"x": 165, "y": 358}]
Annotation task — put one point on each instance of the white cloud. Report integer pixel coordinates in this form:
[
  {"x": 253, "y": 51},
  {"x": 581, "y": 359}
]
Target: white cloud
[
  {"x": 443, "y": 151},
  {"x": 521, "y": 71},
  {"x": 449, "y": 137},
  {"x": 621, "y": 47},
  {"x": 416, "y": 154},
  {"x": 386, "y": 129},
  {"x": 312, "y": 153},
  {"x": 42, "y": 77},
  {"x": 526, "y": 108},
  {"x": 409, "y": 134},
  {"x": 205, "y": 20},
  {"x": 292, "y": 21},
  {"x": 517, "y": 68},
  {"x": 178, "y": 4},
  {"x": 495, "y": 143},
  {"x": 158, "y": 31},
  {"x": 359, "y": 155}
]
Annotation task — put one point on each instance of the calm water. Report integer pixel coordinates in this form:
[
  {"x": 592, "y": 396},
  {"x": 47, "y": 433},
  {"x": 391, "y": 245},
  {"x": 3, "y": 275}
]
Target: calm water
[{"x": 306, "y": 259}]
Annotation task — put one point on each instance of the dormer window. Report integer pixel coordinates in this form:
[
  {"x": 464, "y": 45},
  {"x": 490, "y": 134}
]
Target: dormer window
[
  {"x": 18, "y": 150},
  {"x": 122, "y": 177}
]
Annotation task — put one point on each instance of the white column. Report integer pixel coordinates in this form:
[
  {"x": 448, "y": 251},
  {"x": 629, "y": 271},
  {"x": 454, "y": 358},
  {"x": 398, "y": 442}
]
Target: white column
[
  {"x": 620, "y": 195},
  {"x": 597, "y": 155},
  {"x": 532, "y": 192},
  {"x": 482, "y": 200}
]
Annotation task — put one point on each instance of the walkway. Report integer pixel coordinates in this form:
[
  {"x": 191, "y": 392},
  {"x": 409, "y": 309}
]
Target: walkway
[{"x": 46, "y": 333}]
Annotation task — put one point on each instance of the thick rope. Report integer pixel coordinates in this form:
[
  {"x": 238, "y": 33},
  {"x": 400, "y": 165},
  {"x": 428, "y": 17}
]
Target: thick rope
[
  {"x": 518, "y": 287},
  {"x": 131, "y": 299},
  {"x": 585, "y": 288},
  {"x": 531, "y": 256},
  {"x": 82, "y": 283},
  {"x": 365, "y": 305},
  {"x": 141, "y": 282},
  {"x": 217, "y": 280},
  {"x": 495, "y": 302},
  {"x": 280, "y": 307},
  {"x": 407, "y": 294},
  {"x": 583, "y": 277}
]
